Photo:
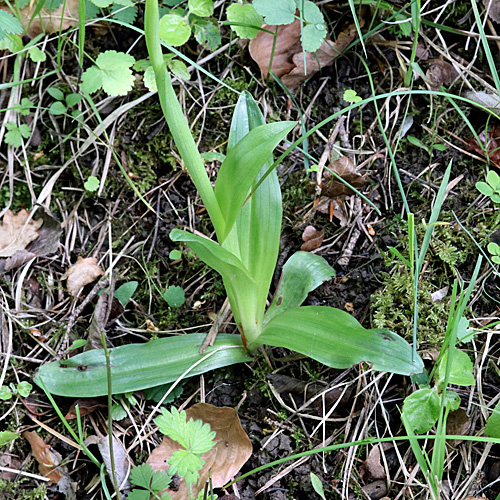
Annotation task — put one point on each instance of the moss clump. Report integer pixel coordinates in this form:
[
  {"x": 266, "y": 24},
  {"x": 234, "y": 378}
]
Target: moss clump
[{"x": 17, "y": 491}]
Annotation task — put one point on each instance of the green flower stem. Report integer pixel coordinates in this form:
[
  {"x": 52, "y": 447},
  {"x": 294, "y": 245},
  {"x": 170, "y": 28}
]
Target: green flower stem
[{"x": 176, "y": 121}]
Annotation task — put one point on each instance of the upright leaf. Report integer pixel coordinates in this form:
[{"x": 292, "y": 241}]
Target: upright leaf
[
  {"x": 241, "y": 166},
  {"x": 334, "y": 338},
  {"x": 302, "y": 273}
]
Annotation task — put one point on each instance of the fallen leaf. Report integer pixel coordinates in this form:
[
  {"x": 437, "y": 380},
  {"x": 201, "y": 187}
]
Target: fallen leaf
[
  {"x": 86, "y": 406},
  {"x": 490, "y": 101},
  {"x": 372, "y": 468},
  {"x": 48, "y": 21},
  {"x": 440, "y": 72},
  {"x": 83, "y": 272},
  {"x": 494, "y": 9},
  {"x": 490, "y": 142},
  {"x": 9, "y": 461},
  {"x": 288, "y": 57},
  {"x": 17, "y": 231},
  {"x": 121, "y": 459},
  {"x": 222, "y": 462},
  {"x": 440, "y": 294},
  {"x": 345, "y": 169},
  {"x": 48, "y": 459},
  {"x": 458, "y": 424},
  {"x": 375, "y": 490},
  {"x": 312, "y": 238}
]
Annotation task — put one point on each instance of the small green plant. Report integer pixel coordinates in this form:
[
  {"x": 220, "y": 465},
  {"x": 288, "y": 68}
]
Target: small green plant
[
  {"x": 16, "y": 133},
  {"x": 63, "y": 102},
  {"x": 428, "y": 149},
  {"x": 195, "y": 439},
  {"x": 91, "y": 184},
  {"x": 317, "y": 485},
  {"x": 7, "y": 437},
  {"x": 22, "y": 389},
  {"x": 174, "y": 296},
  {"x": 491, "y": 187},
  {"x": 494, "y": 250}
]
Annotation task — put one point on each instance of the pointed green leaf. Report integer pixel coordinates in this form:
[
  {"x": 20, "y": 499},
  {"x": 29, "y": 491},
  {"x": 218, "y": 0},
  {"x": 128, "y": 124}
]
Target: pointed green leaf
[
  {"x": 461, "y": 370},
  {"x": 421, "y": 409},
  {"x": 241, "y": 166},
  {"x": 302, "y": 273},
  {"x": 138, "y": 366},
  {"x": 334, "y": 338}
]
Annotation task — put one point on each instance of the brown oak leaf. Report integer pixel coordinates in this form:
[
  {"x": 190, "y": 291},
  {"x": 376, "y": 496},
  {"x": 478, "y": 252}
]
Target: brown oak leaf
[
  {"x": 17, "y": 231},
  {"x": 83, "y": 272}
]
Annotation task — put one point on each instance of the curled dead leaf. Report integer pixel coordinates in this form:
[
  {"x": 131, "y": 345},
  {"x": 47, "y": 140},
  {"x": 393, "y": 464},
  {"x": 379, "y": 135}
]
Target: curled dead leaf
[
  {"x": 288, "y": 57},
  {"x": 83, "y": 272},
  {"x": 48, "y": 459},
  {"x": 312, "y": 238},
  {"x": 441, "y": 72},
  {"x": 222, "y": 462},
  {"x": 17, "y": 231},
  {"x": 372, "y": 468},
  {"x": 345, "y": 169},
  {"x": 490, "y": 141},
  {"x": 458, "y": 424}
]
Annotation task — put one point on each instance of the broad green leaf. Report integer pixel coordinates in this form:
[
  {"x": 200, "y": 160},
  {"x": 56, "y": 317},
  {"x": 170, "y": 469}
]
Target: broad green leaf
[
  {"x": 174, "y": 296},
  {"x": 207, "y": 34},
  {"x": 313, "y": 35},
  {"x": 136, "y": 494},
  {"x": 484, "y": 188},
  {"x": 73, "y": 99},
  {"x": 150, "y": 79},
  {"x": 9, "y": 24},
  {"x": 57, "y": 108},
  {"x": 24, "y": 388},
  {"x": 179, "y": 69},
  {"x": 492, "y": 428},
  {"x": 452, "y": 400},
  {"x": 317, "y": 485},
  {"x": 174, "y": 29},
  {"x": 160, "y": 480},
  {"x": 124, "y": 292},
  {"x": 138, "y": 366},
  {"x": 112, "y": 72},
  {"x": 102, "y": 3},
  {"x": 141, "y": 475},
  {"x": 493, "y": 179},
  {"x": 241, "y": 166},
  {"x": 302, "y": 273},
  {"x": 461, "y": 371},
  {"x": 7, "y": 437},
  {"x": 351, "y": 96},
  {"x": 202, "y": 8},
  {"x": 334, "y": 338},
  {"x": 276, "y": 12},
  {"x": 56, "y": 93},
  {"x": 312, "y": 14},
  {"x": 5, "y": 393},
  {"x": 77, "y": 344},
  {"x": 421, "y": 409},
  {"x": 11, "y": 42},
  {"x": 244, "y": 14}
]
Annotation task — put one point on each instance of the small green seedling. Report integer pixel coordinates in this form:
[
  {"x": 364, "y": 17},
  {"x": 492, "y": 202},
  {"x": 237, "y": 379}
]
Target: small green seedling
[
  {"x": 175, "y": 255},
  {"x": 63, "y": 102},
  {"x": 491, "y": 187},
  {"x": 317, "y": 485},
  {"x": 23, "y": 389},
  {"x": 428, "y": 149},
  {"x": 195, "y": 439},
  {"x": 91, "y": 184},
  {"x": 7, "y": 437},
  {"x": 14, "y": 136},
  {"x": 177, "y": 67},
  {"x": 174, "y": 296},
  {"x": 494, "y": 250},
  {"x": 118, "y": 411}
]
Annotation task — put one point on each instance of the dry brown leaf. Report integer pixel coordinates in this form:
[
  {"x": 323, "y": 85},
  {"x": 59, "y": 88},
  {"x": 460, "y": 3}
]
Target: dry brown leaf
[
  {"x": 223, "y": 461},
  {"x": 312, "y": 238},
  {"x": 441, "y": 72},
  {"x": 458, "y": 424},
  {"x": 86, "y": 406},
  {"x": 288, "y": 57},
  {"x": 489, "y": 141},
  {"x": 372, "y": 468},
  {"x": 16, "y": 232},
  {"x": 83, "y": 272},
  {"x": 121, "y": 461},
  {"x": 48, "y": 21},
  {"x": 344, "y": 168},
  {"x": 48, "y": 460},
  {"x": 494, "y": 9}
]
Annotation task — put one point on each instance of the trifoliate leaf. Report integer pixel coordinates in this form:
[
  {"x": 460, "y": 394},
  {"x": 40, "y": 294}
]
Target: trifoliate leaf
[
  {"x": 112, "y": 73},
  {"x": 179, "y": 69},
  {"x": 57, "y": 108},
  {"x": 313, "y": 35},
  {"x": 351, "y": 96},
  {"x": 9, "y": 24},
  {"x": 173, "y": 424},
  {"x": 15, "y": 134},
  {"x": 91, "y": 184},
  {"x": 202, "y": 8},
  {"x": 244, "y": 14},
  {"x": 24, "y": 389},
  {"x": 12, "y": 43},
  {"x": 174, "y": 29},
  {"x": 37, "y": 55},
  {"x": 207, "y": 34},
  {"x": 276, "y": 12},
  {"x": 185, "y": 464},
  {"x": 142, "y": 475},
  {"x": 24, "y": 106},
  {"x": 174, "y": 296},
  {"x": 125, "y": 15},
  {"x": 136, "y": 494},
  {"x": 7, "y": 436},
  {"x": 160, "y": 481}
]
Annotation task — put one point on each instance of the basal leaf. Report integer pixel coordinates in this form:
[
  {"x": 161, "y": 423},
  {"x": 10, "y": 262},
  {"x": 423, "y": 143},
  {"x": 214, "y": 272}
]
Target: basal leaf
[
  {"x": 334, "y": 338},
  {"x": 313, "y": 35},
  {"x": 302, "y": 273},
  {"x": 207, "y": 34},
  {"x": 174, "y": 29},
  {"x": 246, "y": 15},
  {"x": 202, "y": 8},
  {"x": 276, "y": 12},
  {"x": 138, "y": 366},
  {"x": 421, "y": 408},
  {"x": 312, "y": 13},
  {"x": 461, "y": 370},
  {"x": 241, "y": 166},
  {"x": 141, "y": 475}
]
